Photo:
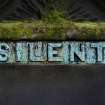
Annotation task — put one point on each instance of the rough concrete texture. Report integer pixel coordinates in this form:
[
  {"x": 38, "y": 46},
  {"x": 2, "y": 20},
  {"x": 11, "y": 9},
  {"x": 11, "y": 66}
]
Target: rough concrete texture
[{"x": 52, "y": 85}]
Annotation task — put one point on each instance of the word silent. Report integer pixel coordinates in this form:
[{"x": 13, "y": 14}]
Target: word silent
[{"x": 52, "y": 52}]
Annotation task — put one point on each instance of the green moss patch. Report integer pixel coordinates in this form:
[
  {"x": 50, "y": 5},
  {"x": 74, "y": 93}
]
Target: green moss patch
[{"x": 58, "y": 30}]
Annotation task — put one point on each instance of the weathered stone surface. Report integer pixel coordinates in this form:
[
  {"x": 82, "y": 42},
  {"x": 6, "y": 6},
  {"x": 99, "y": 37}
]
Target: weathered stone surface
[{"x": 52, "y": 53}]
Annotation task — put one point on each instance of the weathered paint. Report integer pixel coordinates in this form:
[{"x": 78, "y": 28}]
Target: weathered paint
[
  {"x": 37, "y": 52},
  {"x": 52, "y": 52},
  {"x": 77, "y": 49},
  {"x": 55, "y": 52}
]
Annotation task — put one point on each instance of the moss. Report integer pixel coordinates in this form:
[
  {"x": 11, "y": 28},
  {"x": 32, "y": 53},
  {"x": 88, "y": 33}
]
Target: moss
[
  {"x": 55, "y": 17},
  {"x": 45, "y": 30},
  {"x": 91, "y": 30}
]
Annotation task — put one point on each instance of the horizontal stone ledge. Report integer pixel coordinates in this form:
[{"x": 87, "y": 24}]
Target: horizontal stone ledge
[{"x": 41, "y": 30}]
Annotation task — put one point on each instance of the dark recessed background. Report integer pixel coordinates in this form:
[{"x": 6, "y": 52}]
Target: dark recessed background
[
  {"x": 72, "y": 9},
  {"x": 52, "y": 85}
]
